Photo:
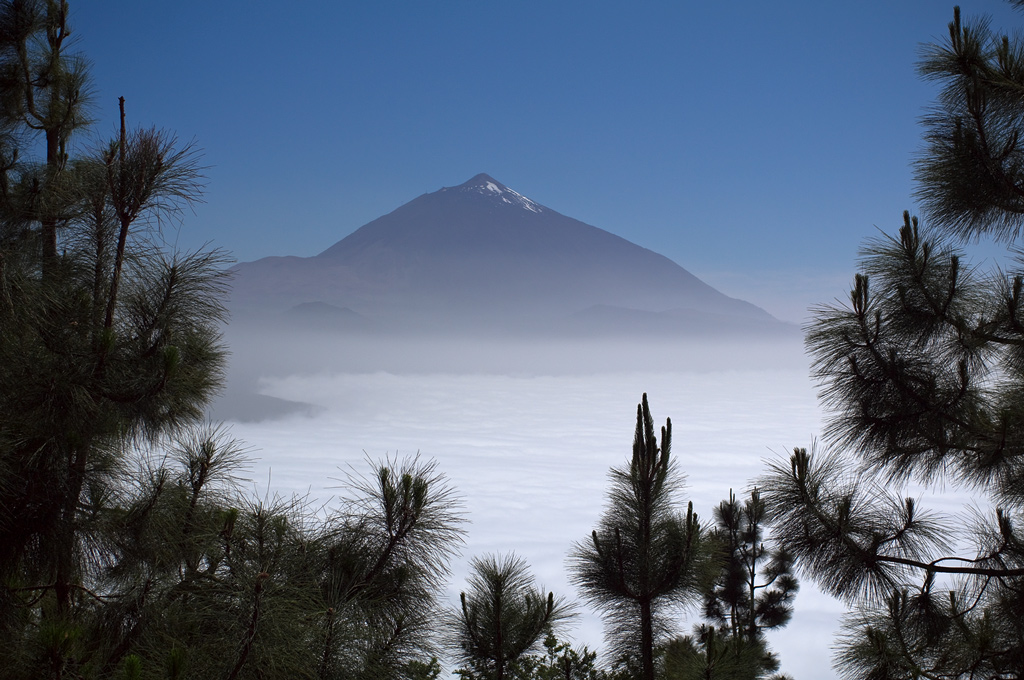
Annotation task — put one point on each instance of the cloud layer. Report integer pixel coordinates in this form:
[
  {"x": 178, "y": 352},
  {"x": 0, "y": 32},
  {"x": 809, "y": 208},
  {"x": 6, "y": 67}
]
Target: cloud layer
[{"x": 530, "y": 455}]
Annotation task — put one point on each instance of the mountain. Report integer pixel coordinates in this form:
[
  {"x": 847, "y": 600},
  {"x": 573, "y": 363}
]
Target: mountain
[{"x": 481, "y": 255}]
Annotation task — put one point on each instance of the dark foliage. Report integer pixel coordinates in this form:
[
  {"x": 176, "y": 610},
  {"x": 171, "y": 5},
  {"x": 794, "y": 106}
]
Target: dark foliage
[
  {"x": 502, "y": 618},
  {"x": 752, "y": 592},
  {"x": 646, "y": 558},
  {"x": 127, "y": 548},
  {"x": 755, "y": 588},
  {"x": 716, "y": 654},
  {"x": 923, "y": 375}
]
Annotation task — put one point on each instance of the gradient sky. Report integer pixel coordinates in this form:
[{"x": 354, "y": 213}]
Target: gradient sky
[{"x": 756, "y": 144}]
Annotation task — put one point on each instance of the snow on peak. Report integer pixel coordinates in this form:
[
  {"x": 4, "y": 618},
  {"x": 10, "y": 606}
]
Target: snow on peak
[
  {"x": 523, "y": 201},
  {"x": 483, "y": 184}
]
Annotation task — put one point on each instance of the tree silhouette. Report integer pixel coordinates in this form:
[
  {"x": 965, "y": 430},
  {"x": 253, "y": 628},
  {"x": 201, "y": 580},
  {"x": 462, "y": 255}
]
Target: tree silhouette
[
  {"x": 45, "y": 91},
  {"x": 923, "y": 375},
  {"x": 503, "y": 616},
  {"x": 381, "y": 565},
  {"x": 106, "y": 338},
  {"x": 127, "y": 547},
  {"x": 645, "y": 558},
  {"x": 714, "y": 654},
  {"x": 752, "y": 591}
]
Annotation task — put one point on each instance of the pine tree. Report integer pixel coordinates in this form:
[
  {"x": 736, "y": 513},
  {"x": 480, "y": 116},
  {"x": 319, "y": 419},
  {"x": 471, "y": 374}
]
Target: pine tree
[
  {"x": 561, "y": 661},
  {"x": 645, "y": 558},
  {"x": 45, "y": 91},
  {"x": 713, "y": 654},
  {"x": 127, "y": 548},
  {"x": 381, "y": 565},
  {"x": 752, "y": 592},
  {"x": 923, "y": 375},
  {"x": 106, "y": 337},
  {"x": 503, "y": 616}
]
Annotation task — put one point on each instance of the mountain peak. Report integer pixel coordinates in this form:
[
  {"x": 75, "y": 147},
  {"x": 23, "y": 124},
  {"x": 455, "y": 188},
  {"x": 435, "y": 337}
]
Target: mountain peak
[
  {"x": 488, "y": 186},
  {"x": 480, "y": 180}
]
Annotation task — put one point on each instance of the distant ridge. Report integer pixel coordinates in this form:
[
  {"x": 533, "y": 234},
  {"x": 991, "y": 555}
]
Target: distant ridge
[{"x": 483, "y": 256}]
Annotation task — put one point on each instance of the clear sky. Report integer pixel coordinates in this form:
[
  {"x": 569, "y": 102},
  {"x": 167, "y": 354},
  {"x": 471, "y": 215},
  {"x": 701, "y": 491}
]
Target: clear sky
[{"x": 756, "y": 144}]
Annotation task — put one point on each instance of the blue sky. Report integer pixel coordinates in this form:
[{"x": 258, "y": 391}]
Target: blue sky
[{"x": 756, "y": 144}]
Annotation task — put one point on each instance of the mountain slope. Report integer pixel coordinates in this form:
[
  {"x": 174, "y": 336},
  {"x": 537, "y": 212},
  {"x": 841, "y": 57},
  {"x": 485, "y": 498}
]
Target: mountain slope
[{"x": 481, "y": 254}]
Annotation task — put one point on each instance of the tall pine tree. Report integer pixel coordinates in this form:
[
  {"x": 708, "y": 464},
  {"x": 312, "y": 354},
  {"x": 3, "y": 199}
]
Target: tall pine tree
[
  {"x": 105, "y": 337},
  {"x": 646, "y": 557}
]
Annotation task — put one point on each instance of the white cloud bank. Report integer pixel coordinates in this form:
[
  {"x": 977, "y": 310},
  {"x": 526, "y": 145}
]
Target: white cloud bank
[{"x": 530, "y": 455}]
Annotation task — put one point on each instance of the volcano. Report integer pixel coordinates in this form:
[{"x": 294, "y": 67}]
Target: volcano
[{"x": 481, "y": 255}]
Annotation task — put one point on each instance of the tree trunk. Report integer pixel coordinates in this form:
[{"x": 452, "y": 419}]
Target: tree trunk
[
  {"x": 646, "y": 640},
  {"x": 48, "y": 224},
  {"x": 64, "y": 576}
]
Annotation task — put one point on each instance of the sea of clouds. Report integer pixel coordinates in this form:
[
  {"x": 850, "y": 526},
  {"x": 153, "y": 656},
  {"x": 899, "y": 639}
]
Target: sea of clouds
[{"x": 527, "y": 440}]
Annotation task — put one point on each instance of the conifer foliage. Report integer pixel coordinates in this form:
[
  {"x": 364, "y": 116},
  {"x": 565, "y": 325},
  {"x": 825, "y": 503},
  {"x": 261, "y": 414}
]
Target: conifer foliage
[
  {"x": 646, "y": 557},
  {"x": 755, "y": 588},
  {"x": 105, "y": 338},
  {"x": 502, "y": 617},
  {"x": 752, "y": 592},
  {"x": 127, "y": 547},
  {"x": 924, "y": 377}
]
